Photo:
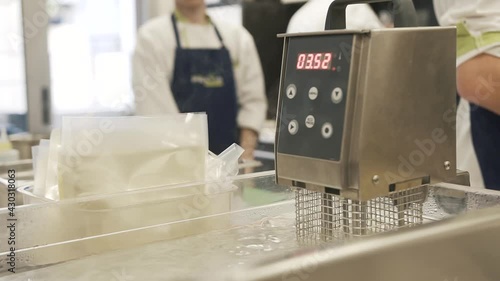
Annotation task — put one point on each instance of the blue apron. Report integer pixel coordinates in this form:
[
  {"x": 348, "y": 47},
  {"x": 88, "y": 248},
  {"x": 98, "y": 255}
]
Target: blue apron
[
  {"x": 485, "y": 131},
  {"x": 203, "y": 81}
]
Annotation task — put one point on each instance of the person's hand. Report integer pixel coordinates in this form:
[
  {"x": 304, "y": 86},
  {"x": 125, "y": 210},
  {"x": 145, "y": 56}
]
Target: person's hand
[{"x": 248, "y": 141}]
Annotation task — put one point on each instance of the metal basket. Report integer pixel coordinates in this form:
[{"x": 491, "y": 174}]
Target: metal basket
[{"x": 327, "y": 217}]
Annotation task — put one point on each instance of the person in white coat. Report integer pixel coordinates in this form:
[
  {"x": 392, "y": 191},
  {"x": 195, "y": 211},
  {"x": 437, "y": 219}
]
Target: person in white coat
[
  {"x": 478, "y": 85},
  {"x": 312, "y": 16},
  {"x": 188, "y": 62}
]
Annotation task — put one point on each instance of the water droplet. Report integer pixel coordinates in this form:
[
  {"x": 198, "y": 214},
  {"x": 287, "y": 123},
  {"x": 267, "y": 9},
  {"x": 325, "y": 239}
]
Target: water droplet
[
  {"x": 255, "y": 246},
  {"x": 274, "y": 239}
]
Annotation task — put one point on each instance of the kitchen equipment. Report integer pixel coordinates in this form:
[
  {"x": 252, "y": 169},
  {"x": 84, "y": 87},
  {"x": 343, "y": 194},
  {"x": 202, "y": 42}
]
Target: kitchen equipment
[
  {"x": 7, "y": 153},
  {"x": 365, "y": 123},
  {"x": 103, "y": 244},
  {"x": 462, "y": 248},
  {"x": 24, "y": 141},
  {"x": 352, "y": 175}
]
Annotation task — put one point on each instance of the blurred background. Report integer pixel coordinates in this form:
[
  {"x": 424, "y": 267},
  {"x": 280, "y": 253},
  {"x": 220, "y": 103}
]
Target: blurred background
[{"x": 73, "y": 57}]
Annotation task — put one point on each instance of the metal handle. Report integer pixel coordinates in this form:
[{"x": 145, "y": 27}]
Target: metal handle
[{"x": 404, "y": 13}]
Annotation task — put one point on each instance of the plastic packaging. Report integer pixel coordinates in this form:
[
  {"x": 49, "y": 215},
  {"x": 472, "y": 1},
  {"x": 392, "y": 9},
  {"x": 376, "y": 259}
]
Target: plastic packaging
[
  {"x": 40, "y": 159},
  {"x": 51, "y": 180},
  {"x": 221, "y": 167},
  {"x": 154, "y": 156},
  {"x": 101, "y": 155},
  {"x": 34, "y": 156}
]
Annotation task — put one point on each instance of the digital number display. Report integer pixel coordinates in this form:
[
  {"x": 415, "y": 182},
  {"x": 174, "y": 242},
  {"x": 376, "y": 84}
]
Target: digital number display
[{"x": 315, "y": 61}]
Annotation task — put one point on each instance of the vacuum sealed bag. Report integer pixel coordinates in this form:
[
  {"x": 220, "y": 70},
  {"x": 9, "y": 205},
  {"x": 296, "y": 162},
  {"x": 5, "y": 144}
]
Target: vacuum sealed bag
[
  {"x": 101, "y": 155},
  {"x": 51, "y": 181},
  {"x": 40, "y": 158}
]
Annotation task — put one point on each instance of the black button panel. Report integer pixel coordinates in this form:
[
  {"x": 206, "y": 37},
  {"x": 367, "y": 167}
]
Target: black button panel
[{"x": 314, "y": 105}]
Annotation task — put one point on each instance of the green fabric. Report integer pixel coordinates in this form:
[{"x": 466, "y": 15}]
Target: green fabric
[{"x": 466, "y": 42}]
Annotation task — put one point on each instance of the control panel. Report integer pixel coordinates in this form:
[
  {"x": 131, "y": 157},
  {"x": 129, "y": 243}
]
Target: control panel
[{"x": 313, "y": 97}]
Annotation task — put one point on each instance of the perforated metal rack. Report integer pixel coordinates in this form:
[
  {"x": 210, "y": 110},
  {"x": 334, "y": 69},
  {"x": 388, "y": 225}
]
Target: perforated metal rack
[{"x": 326, "y": 217}]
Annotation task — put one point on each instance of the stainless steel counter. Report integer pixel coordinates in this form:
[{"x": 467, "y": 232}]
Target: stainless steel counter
[
  {"x": 103, "y": 235},
  {"x": 461, "y": 248}
]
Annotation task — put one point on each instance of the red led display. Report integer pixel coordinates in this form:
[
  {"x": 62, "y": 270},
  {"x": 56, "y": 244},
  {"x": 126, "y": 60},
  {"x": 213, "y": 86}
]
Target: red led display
[{"x": 314, "y": 61}]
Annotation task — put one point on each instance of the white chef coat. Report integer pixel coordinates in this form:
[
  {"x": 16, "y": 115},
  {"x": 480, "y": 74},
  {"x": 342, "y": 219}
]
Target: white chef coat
[
  {"x": 312, "y": 16},
  {"x": 153, "y": 66},
  {"x": 478, "y": 16}
]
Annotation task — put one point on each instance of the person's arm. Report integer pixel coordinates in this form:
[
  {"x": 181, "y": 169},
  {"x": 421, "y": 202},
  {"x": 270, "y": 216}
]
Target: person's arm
[
  {"x": 251, "y": 95},
  {"x": 478, "y": 81},
  {"x": 478, "y": 78},
  {"x": 150, "y": 76}
]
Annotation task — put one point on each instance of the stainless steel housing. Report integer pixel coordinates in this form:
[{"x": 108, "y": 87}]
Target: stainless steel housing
[{"x": 399, "y": 120}]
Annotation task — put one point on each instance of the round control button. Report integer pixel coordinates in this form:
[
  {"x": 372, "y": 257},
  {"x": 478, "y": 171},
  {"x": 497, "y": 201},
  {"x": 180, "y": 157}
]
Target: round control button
[
  {"x": 327, "y": 130},
  {"x": 313, "y": 93},
  {"x": 291, "y": 91},
  {"x": 337, "y": 95},
  {"x": 293, "y": 127},
  {"x": 310, "y": 120}
]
